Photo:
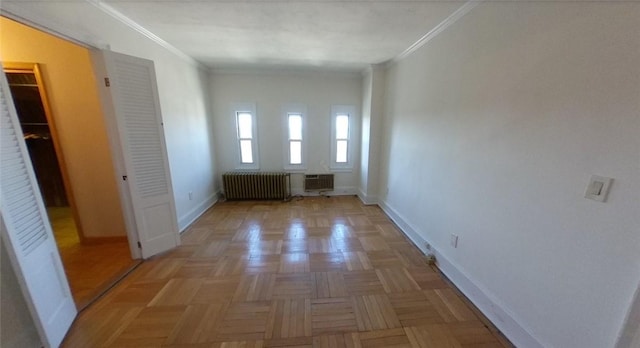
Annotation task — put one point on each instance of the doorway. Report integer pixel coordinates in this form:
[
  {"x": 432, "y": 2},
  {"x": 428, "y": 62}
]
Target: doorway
[
  {"x": 92, "y": 265},
  {"x": 108, "y": 180}
]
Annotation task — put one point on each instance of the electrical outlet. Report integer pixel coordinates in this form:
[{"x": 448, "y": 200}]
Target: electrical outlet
[
  {"x": 454, "y": 240},
  {"x": 431, "y": 260},
  {"x": 190, "y": 195}
]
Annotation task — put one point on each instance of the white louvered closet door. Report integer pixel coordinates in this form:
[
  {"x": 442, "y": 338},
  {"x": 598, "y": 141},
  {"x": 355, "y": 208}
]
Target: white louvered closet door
[
  {"x": 139, "y": 121},
  {"x": 27, "y": 233}
]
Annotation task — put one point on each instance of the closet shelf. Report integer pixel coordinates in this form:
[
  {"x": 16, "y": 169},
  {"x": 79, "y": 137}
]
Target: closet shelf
[{"x": 22, "y": 85}]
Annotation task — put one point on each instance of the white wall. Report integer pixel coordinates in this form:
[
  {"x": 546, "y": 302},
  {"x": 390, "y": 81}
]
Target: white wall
[
  {"x": 492, "y": 130},
  {"x": 182, "y": 85},
  {"x": 373, "y": 88},
  {"x": 367, "y": 90},
  {"x": 630, "y": 332},
  {"x": 270, "y": 91}
]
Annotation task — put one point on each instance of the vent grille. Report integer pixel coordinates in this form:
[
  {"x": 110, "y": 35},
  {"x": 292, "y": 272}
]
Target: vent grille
[
  {"x": 246, "y": 186},
  {"x": 318, "y": 182}
]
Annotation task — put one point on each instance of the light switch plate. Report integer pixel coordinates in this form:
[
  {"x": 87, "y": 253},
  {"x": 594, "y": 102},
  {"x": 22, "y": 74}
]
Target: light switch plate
[{"x": 598, "y": 188}]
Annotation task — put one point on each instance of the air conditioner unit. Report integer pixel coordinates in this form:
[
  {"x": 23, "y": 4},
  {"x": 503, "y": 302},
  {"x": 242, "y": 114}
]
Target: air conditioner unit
[{"x": 318, "y": 182}]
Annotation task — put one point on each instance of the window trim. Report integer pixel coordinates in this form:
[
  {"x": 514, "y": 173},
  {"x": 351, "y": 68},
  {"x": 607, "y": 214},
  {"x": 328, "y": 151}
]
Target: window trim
[
  {"x": 349, "y": 110},
  {"x": 294, "y": 109},
  {"x": 246, "y": 107}
]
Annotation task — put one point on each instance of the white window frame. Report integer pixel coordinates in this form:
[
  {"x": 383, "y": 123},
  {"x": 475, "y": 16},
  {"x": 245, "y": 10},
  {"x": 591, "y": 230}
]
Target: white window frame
[
  {"x": 294, "y": 109},
  {"x": 342, "y": 110},
  {"x": 246, "y": 108}
]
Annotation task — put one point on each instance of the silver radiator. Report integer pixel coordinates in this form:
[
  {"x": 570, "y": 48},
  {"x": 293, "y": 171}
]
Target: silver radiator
[{"x": 247, "y": 185}]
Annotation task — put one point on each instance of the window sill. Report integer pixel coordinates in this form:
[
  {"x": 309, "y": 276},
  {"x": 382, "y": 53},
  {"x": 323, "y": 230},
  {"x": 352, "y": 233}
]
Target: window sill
[
  {"x": 341, "y": 170},
  {"x": 247, "y": 168},
  {"x": 295, "y": 169}
]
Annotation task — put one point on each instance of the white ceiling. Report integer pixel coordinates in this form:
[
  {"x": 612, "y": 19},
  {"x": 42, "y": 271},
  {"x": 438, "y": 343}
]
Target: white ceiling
[{"x": 346, "y": 34}]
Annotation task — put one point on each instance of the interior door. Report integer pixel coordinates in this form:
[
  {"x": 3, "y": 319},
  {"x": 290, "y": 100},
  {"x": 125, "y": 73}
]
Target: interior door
[
  {"x": 27, "y": 232},
  {"x": 130, "y": 83}
]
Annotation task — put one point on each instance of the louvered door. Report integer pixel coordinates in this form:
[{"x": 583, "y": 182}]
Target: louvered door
[
  {"x": 137, "y": 111},
  {"x": 27, "y": 232}
]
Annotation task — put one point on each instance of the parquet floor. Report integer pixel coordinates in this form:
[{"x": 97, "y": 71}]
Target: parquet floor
[{"x": 319, "y": 272}]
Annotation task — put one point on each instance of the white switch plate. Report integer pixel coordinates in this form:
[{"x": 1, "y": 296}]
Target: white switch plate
[
  {"x": 598, "y": 188},
  {"x": 454, "y": 241}
]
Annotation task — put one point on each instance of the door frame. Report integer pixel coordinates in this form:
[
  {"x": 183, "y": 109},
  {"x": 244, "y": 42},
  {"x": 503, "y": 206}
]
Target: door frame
[
  {"x": 108, "y": 109},
  {"x": 20, "y": 67},
  {"x": 114, "y": 139}
]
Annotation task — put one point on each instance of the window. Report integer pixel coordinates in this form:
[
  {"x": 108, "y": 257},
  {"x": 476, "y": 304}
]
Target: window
[
  {"x": 246, "y": 133},
  {"x": 245, "y": 136},
  {"x": 294, "y": 136},
  {"x": 341, "y": 147},
  {"x": 342, "y": 137}
]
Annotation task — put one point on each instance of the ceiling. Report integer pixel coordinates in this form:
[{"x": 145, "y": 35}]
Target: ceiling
[{"x": 348, "y": 34}]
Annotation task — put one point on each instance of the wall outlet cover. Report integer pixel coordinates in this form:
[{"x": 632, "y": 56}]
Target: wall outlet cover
[{"x": 598, "y": 188}]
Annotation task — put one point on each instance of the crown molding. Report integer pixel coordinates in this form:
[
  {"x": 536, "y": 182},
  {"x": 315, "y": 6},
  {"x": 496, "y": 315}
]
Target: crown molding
[
  {"x": 454, "y": 17},
  {"x": 280, "y": 70},
  {"x": 111, "y": 11},
  {"x": 45, "y": 25}
]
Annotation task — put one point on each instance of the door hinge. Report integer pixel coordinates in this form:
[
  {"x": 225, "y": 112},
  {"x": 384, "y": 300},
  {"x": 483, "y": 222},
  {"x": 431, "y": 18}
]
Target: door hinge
[
  {"x": 139, "y": 245},
  {"x": 124, "y": 177},
  {"x": 107, "y": 82}
]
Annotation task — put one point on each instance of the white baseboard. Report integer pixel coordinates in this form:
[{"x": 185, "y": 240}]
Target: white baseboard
[
  {"x": 405, "y": 227},
  {"x": 367, "y": 199},
  {"x": 337, "y": 191},
  {"x": 486, "y": 302},
  {"x": 185, "y": 221}
]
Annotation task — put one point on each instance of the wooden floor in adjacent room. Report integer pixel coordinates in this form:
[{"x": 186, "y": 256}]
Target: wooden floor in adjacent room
[
  {"x": 90, "y": 269},
  {"x": 317, "y": 272}
]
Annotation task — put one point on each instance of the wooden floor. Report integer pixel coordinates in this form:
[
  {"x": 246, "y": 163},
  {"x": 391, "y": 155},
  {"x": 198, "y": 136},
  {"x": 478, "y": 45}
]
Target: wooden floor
[
  {"x": 319, "y": 272},
  {"x": 90, "y": 269}
]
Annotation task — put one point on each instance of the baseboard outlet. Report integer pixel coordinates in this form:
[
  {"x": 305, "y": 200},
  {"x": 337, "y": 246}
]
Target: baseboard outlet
[
  {"x": 488, "y": 304},
  {"x": 186, "y": 221}
]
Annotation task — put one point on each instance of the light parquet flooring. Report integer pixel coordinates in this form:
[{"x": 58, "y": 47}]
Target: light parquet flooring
[{"x": 318, "y": 272}]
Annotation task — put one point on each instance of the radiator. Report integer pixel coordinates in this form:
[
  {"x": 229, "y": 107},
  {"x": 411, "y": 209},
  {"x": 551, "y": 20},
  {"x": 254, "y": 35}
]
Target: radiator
[
  {"x": 243, "y": 185},
  {"x": 318, "y": 182}
]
